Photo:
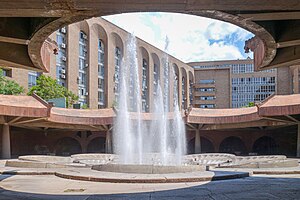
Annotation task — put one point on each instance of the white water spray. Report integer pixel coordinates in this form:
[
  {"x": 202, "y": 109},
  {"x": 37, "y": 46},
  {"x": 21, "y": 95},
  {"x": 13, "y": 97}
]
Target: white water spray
[{"x": 162, "y": 140}]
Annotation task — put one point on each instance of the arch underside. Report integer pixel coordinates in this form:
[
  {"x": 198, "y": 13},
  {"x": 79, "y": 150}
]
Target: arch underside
[{"x": 24, "y": 28}]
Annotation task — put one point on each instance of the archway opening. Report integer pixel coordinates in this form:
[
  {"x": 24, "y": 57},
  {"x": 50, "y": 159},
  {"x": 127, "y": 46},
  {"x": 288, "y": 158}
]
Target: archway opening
[
  {"x": 67, "y": 146},
  {"x": 206, "y": 146},
  {"x": 233, "y": 145},
  {"x": 97, "y": 145},
  {"x": 265, "y": 146}
]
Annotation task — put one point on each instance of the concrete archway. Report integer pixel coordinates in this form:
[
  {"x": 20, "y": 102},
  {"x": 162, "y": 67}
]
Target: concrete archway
[
  {"x": 177, "y": 82},
  {"x": 265, "y": 146},
  {"x": 233, "y": 145},
  {"x": 96, "y": 145},
  {"x": 67, "y": 146},
  {"x": 184, "y": 92},
  {"x": 99, "y": 49},
  {"x": 191, "y": 83},
  {"x": 145, "y": 76},
  {"x": 206, "y": 146}
]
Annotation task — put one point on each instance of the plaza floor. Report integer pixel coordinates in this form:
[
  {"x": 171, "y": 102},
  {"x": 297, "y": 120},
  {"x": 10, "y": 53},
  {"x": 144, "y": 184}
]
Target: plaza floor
[{"x": 51, "y": 187}]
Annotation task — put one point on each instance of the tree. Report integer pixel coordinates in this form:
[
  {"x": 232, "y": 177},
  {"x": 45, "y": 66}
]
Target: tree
[
  {"x": 9, "y": 87},
  {"x": 48, "y": 88},
  {"x": 250, "y": 104}
]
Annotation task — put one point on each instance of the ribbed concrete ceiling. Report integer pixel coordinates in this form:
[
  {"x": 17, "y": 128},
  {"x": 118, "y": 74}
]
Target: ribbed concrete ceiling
[{"x": 24, "y": 25}]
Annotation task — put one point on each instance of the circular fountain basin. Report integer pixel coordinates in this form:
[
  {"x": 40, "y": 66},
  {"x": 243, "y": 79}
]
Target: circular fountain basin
[{"x": 147, "y": 169}]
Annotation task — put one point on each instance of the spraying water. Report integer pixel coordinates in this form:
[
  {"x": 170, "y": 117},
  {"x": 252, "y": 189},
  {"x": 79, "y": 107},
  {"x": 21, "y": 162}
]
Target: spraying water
[{"x": 162, "y": 140}]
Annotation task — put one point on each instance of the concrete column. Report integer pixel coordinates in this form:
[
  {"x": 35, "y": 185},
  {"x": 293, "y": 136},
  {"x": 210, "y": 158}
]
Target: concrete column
[
  {"x": 296, "y": 80},
  {"x": 187, "y": 88},
  {"x": 6, "y": 152},
  {"x": 150, "y": 83},
  {"x": 197, "y": 142},
  {"x": 108, "y": 142},
  {"x": 298, "y": 141},
  {"x": 180, "y": 88}
]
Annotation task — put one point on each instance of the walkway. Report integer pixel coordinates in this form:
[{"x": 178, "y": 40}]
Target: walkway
[{"x": 51, "y": 187}]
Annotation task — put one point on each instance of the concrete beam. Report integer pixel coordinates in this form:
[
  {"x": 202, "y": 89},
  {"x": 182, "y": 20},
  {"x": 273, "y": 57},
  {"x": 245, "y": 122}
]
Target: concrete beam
[
  {"x": 268, "y": 122},
  {"x": 287, "y": 56},
  {"x": 271, "y": 16},
  {"x": 289, "y": 43}
]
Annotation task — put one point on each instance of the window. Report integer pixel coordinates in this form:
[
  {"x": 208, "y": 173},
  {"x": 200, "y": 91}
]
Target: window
[
  {"x": 117, "y": 70},
  {"x": 82, "y": 36},
  {"x": 183, "y": 93},
  {"x": 83, "y": 68},
  {"x": 206, "y": 89},
  {"x": 7, "y": 72},
  {"x": 207, "y": 97},
  {"x": 101, "y": 73},
  {"x": 145, "y": 85},
  {"x": 32, "y": 77},
  {"x": 207, "y": 81},
  {"x": 207, "y": 105}
]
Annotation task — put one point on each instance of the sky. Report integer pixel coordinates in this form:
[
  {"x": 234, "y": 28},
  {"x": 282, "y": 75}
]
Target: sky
[{"x": 191, "y": 38}]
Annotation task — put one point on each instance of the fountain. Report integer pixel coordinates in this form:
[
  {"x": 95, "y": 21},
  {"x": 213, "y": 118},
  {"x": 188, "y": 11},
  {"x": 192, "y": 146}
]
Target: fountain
[{"x": 158, "y": 142}]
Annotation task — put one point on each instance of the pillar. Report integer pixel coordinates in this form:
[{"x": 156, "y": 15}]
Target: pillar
[
  {"x": 197, "y": 142},
  {"x": 6, "y": 153},
  {"x": 108, "y": 142},
  {"x": 298, "y": 141}
]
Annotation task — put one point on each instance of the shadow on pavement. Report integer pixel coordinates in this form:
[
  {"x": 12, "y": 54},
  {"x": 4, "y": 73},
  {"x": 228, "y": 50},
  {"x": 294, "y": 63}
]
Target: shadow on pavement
[{"x": 244, "y": 188}]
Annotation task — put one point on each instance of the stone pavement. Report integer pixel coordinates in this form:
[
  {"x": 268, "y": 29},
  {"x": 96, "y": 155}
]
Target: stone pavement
[
  {"x": 87, "y": 174},
  {"x": 257, "y": 187}
]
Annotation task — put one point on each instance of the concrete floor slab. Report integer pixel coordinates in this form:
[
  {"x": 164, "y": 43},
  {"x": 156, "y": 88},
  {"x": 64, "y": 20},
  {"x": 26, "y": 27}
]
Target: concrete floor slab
[{"x": 51, "y": 187}]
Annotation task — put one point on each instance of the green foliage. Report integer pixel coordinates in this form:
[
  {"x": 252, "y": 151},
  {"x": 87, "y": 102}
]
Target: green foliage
[
  {"x": 9, "y": 87},
  {"x": 84, "y": 106},
  {"x": 115, "y": 104},
  {"x": 250, "y": 104},
  {"x": 48, "y": 88}
]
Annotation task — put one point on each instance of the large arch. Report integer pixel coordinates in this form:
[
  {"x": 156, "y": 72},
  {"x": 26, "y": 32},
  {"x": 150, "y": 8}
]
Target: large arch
[
  {"x": 184, "y": 92},
  {"x": 176, "y": 83},
  {"x": 191, "y": 83},
  {"x": 99, "y": 49},
  {"x": 117, "y": 41},
  {"x": 43, "y": 18},
  {"x": 265, "y": 146},
  {"x": 97, "y": 145},
  {"x": 206, "y": 146},
  {"x": 117, "y": 51},
  {"x": 156, "y": 70},
  {"x": 67, "y": 146},
  {"x": 144, "y": 56},
  {"x": 233, "y": 145}
]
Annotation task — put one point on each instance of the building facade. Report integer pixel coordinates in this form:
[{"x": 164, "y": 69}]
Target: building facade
[
  {"x": 88, "y": 63},
  {"x": 234, "y": 84},
  {"x": 90, "y": 55}
]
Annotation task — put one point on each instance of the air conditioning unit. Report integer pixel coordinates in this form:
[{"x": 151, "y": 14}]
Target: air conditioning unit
[
  {"x": 63, "y": 76},
  {"x": 63, "y": 71},
  {"x": 63, "y": 30},
  {"x": 64, "y": 58},
  {"x": 63, "y": 45},
  {"x": 84, "y": 37}
]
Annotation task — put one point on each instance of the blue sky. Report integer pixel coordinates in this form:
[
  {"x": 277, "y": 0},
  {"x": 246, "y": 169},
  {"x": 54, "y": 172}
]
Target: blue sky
[{"x": 191, "y": 38}]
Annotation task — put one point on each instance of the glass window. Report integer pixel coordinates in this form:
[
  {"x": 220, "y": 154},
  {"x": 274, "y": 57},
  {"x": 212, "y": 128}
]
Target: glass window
[
  {"x": 32, "y": 77},
  {"x": 207, "y": 81}
]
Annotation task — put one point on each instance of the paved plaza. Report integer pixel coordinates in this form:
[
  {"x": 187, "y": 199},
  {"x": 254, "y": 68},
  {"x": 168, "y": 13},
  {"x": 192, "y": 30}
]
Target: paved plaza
[{"x": 51, "y": 187}]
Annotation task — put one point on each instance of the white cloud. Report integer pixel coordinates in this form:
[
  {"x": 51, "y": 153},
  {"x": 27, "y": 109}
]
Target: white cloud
[{"x": 192, "y": 38}]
